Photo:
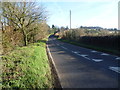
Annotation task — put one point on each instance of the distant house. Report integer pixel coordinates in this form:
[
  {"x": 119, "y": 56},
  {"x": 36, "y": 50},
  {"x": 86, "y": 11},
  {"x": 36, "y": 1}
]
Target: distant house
[{"x": 111, "y": 31}]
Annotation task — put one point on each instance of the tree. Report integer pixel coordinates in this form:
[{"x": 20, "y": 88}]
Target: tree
[{"x": 23, "y": 15}]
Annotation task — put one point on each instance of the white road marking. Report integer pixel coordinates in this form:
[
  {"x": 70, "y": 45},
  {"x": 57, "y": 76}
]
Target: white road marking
[
  {"x": 116, "y": 69},
  {"x": 97, "y": 60},
  {"x": 64, "y": 47},
  {"x": 53, "y": 61},
  {"x": 87, "y": 58},
  {"x": 93, "y": 51},
  {"x": 84, "y": 55},
  {"x": 75, "y": 52},
  {"x": 78, "y": 54},
  {"x": 118, "y": 58},
  {"x": 105, "y": 54}
]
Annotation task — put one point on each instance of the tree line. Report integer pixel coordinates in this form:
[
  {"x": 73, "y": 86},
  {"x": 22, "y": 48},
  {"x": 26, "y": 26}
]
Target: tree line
[{"x": 99, "y": 38}]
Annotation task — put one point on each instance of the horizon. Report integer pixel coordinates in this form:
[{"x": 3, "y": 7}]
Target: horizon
[{"x": 83, "y": 13}]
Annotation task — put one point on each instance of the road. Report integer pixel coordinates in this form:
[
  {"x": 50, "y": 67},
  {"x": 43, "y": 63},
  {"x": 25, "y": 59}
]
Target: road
[{"x": 79, "y": 67}]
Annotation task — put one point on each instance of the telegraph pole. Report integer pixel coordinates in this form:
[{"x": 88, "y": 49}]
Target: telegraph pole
[{"x": 70, "y": 19}]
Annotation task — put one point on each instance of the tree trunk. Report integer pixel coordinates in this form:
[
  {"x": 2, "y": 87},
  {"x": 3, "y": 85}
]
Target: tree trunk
[{"x": 25, "y": 38}]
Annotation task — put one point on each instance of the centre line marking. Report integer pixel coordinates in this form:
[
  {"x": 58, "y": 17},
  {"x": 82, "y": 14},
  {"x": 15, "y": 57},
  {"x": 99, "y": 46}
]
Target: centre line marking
[
  {"x": 118, "y": 58},
  {"x": 84, "y": 55},
  {"x": 87, "y": 58},
  {"x": 105, "y": 54},
  {"x": 97, "y": 60},
  {"x": 78, "y": 54},
  {"x": 64, "y": 47},
  {"x": 116, "y": 69},
  {"x": 93, "y": 51},
  {"x": 75, "y": 52}
]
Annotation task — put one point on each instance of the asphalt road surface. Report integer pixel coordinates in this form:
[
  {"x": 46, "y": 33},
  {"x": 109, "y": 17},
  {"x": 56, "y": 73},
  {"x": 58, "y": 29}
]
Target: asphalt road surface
[{"x": 79, "y": 67}]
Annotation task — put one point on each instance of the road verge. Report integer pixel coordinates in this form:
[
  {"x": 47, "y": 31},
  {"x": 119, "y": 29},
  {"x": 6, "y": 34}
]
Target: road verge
[{"x": 54, "y": 71}]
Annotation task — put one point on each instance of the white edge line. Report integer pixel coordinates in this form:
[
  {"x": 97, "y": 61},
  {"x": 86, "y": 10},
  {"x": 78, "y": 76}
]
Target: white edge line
[
  {"x": 53, "y": 63},
  {"x": 112, "y": 68}
]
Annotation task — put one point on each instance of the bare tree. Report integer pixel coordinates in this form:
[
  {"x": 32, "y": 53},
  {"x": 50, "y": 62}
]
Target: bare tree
[{"x": 23, "y": 15}]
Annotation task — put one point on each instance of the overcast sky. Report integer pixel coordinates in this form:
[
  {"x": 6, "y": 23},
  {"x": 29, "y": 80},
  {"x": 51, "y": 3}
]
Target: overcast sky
[{"x": 102, "y": 13}]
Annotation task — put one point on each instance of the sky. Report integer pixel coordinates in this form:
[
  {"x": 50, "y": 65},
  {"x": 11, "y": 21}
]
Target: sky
[{"x": 103, "y": 13}]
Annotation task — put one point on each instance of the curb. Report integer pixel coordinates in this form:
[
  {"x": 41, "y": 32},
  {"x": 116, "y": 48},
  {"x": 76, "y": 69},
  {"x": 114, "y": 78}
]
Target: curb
[{"x": 54, "y": 70}]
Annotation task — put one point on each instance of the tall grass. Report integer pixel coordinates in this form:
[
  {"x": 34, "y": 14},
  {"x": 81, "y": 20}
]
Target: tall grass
[{"x": 27, "y": 67}]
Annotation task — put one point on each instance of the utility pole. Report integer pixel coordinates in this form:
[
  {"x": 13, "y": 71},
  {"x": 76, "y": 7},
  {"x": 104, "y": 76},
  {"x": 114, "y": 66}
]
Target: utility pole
[{"x": 70, "y": 19}]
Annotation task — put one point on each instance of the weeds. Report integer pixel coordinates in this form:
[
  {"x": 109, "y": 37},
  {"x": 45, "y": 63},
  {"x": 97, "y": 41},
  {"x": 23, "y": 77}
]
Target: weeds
[{"x": 27, "y": 67}]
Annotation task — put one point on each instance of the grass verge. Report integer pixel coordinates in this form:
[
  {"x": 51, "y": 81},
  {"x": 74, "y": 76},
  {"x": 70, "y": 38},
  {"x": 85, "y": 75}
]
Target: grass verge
[
  {"x": 27, "y": 67},
  {"x": 106, "y": 50}
]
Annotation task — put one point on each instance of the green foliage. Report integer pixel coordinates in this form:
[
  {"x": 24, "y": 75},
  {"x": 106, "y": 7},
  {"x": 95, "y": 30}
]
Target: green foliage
[
  {"x": 27, "y": 67},
  {"x": 101, "y": 39}
]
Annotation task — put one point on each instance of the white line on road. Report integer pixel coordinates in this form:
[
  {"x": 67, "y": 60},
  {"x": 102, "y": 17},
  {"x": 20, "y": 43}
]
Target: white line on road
[
  {"x": 93, "y": 51},
  {"x": 75, "y": 52},
  {"x": 78, "y": 54},
  {"x": 64, "y": 47},
  {"x": 118, "y": 58},
  {"x": 105, "y": 54},
  {"x": 87, "y": 58},
  {"x": 84, "y": 55},
  {"x": 97, "y": 60},
  {"x": 116, "y": 69},
  {"x": 53, "y": 62}
]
